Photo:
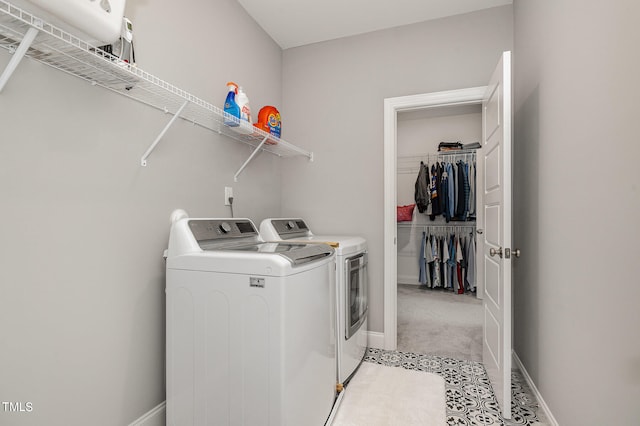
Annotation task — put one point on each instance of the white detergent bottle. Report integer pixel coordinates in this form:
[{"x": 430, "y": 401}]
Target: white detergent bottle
[
  {"x": 245, "y": 112},
  {"x": 243, "y": 102}
]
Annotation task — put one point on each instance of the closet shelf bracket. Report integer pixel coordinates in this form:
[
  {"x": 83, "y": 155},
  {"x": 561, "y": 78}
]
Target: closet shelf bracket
[
  {"x": 143, "y": 160},
  {"x": 19, "y": 53},
  {"x": 253, "y": 154}
]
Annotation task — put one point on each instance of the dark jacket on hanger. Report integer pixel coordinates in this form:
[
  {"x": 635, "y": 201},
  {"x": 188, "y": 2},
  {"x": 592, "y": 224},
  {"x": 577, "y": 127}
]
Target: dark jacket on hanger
[
  {"x": 422, "y": 195},
  {"x": 441, "y": 190},
  {"x": 445, "y": 194},
  {"x": 436, "y": 190},
  {"x": 460, "y": 202}
]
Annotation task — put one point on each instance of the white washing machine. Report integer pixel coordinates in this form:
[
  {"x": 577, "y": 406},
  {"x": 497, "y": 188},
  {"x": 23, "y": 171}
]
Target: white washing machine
[
  {"x": 249, "y": 327},
  {"x": 351, "y": 284}
]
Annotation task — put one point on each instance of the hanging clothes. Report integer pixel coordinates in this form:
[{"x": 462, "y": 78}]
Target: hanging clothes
[
  {"x": 467, "y": 189},
  {"x": 436, "y": 177},
  {"x": 451, "y": 190},
  {"x": 434, "y": 192},
  {"x": 446, "y": 188},
  {"x": 448, "y": 260},
  {"x": 459, "y": 190},
  {"x": 459, "y": 267},
  {"x": 429, "y": 210},
  {"x": 437, "y": 280},
  {"x": 451, "y": 261},
  {"x": 472, "y": 189},
  {"x": 463, "y": 262},
  {"x": 445, "y": 195},
  {"x": 471, "y": 264},
  {"x": 428, "y": 254},
  {"x": 422, "y": 265},
  {"x": 421, "y": 194},
  {"x": 445, "y": 262},
  {"x": 441, "y": 189}
]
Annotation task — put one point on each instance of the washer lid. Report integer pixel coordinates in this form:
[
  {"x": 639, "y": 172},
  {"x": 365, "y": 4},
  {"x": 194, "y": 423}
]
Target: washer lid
[
  {"x": 241, "y": 235},
  {"x": 296, "y": 253}
]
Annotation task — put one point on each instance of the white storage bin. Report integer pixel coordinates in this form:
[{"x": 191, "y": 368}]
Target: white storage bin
[{"x": 97, "y": 22}]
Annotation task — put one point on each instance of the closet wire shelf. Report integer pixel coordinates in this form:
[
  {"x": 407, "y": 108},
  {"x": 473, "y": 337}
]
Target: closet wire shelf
[
  {"x": 56, "y": 48},
  {"x": 410, "y": 164},
  {"x": 451, "y": 225}
]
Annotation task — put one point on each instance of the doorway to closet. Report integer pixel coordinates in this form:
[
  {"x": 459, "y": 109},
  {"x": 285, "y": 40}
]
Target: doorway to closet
[
  {"x": 433, "y": 104},
  {"x": 439, "y": 312},
  {"x": 494, "y": 249}
]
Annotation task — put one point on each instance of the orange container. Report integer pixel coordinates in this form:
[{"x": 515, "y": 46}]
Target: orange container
[{"x": 269, "y": 121}]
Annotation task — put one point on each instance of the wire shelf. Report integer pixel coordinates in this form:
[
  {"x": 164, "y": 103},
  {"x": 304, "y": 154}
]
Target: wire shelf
[
  {"x": 63, "y": 51},
  {"x": 452, "y": 225},
  {"x": 410, "y": 164}
]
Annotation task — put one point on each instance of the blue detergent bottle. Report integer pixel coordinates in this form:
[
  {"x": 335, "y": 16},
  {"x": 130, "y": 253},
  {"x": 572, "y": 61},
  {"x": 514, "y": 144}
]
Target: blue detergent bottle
[{"x": 231, "y": 108}]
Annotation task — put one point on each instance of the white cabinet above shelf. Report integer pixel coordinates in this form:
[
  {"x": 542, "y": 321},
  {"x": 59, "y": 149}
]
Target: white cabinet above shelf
[{"x": 26, "y": 35}]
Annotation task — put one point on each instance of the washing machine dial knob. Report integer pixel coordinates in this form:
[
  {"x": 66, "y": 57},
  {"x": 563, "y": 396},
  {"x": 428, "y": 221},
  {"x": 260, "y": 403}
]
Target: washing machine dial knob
[
  {"x": 225, "y": 227},
  {"x": 290, "y": 225}
]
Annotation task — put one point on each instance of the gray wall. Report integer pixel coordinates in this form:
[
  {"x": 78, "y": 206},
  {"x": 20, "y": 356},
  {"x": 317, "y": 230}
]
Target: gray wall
[
  {"x": 83, "y": 226},
  {"x": 333, "y": 96},
  {"x": 577, "y": 206}
]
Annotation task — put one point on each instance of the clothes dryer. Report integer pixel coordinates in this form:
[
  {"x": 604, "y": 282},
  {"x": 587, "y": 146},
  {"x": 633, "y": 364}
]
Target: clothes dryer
[
  {"x": 351, "y": 287},
  {"x": 249, "y": 327}
]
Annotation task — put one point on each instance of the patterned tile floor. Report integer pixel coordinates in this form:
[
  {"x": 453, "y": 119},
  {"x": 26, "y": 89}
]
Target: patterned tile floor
[{"x": 470, "y": 398}]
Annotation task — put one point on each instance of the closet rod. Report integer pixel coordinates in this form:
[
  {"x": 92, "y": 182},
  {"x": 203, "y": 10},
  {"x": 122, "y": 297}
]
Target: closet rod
[
  {"x": 448, "y": 226},
  {"x": 438, "y": 154},
  {"x": 444, "y": 230},
  {"x": 457, "y": 151},
  {"x": 437, "y": 225},
  {"x": 429, "y": 158},
  {"x": 408, "y": 164}
]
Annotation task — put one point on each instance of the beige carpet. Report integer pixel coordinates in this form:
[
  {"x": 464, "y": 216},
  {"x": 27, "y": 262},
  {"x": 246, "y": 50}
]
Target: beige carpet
[
  {"x": 391, "y": 396},
  {"x": 439, "y": 322}
]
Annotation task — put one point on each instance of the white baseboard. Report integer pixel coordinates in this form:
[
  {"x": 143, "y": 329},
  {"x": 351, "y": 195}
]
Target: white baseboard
[
  {"x": 408, "y": 279},
  {"x": 154, "y": 417},
  {"x": 534, "y": 389},
  {"x": 375, "y": 339}
]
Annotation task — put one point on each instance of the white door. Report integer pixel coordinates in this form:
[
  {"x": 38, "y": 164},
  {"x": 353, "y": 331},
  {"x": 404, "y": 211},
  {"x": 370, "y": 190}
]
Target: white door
[{"x": 494, "y": 243}]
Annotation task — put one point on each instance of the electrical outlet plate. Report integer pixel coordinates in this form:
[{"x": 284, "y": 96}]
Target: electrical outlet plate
[{"x": 228, "y": 193}]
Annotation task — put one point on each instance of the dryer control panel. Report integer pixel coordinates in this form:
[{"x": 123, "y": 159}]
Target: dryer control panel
[{"x": 289, "y": 228}]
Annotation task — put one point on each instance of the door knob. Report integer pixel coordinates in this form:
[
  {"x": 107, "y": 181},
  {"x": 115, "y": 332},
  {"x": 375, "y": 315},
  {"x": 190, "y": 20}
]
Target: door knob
[
  {"x": 516, "y": 252},
  {"x": 493, "y": 252}
]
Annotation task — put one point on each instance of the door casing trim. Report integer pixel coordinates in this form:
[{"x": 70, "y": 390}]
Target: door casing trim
[{"x": 392, "y": 106}]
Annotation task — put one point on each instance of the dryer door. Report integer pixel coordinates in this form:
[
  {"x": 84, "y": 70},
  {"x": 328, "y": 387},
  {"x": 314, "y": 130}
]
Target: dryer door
[{"x": 356, "y": 297}]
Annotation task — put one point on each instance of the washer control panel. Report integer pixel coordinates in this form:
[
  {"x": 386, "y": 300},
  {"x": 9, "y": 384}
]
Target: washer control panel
[{"x": 219, "y": 229}]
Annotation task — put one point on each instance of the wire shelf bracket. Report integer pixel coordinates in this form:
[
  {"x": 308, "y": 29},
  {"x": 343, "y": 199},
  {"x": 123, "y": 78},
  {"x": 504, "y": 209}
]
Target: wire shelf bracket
[
  {"x": 19, "y": 53},
  {"x": 253, "y": 154},
  {"x": 143, "y": 160}
]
